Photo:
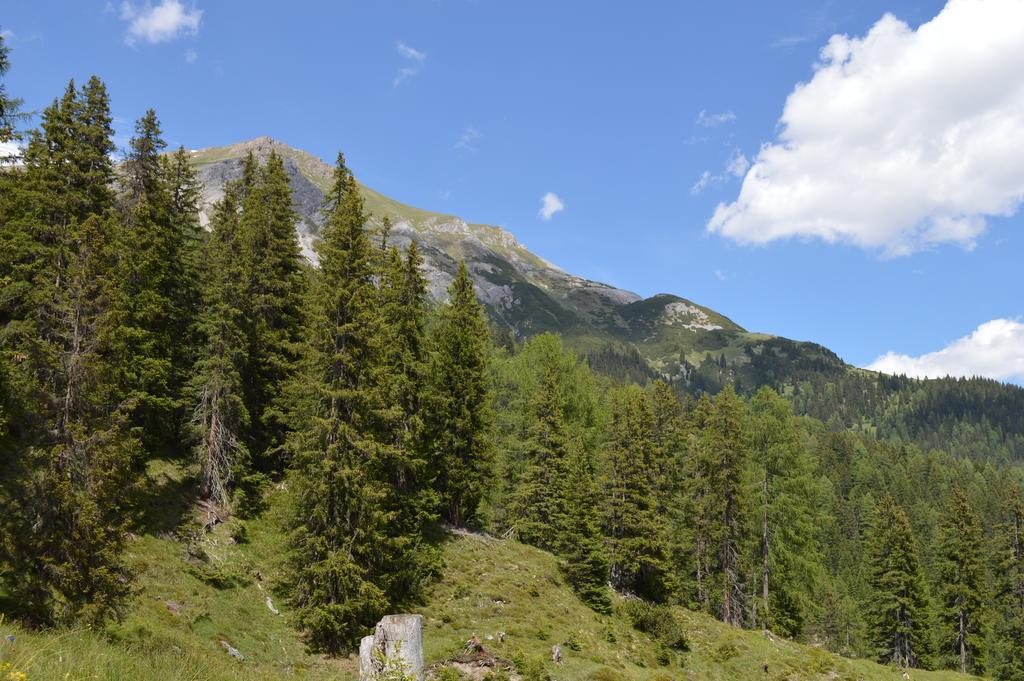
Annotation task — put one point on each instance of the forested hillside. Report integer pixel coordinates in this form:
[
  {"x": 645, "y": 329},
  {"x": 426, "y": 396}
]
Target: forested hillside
[{"x": 177, "y": 400}]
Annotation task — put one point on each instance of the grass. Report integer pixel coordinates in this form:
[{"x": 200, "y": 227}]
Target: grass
[{"x": 199, "y": 591}]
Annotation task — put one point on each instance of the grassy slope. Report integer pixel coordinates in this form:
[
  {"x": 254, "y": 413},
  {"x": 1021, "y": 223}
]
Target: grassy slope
[{"x": 179, "y": 617}]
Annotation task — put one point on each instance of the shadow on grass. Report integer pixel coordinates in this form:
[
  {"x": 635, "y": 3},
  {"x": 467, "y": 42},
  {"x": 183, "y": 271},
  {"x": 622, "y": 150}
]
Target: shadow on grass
[{"x": 166, "y": 497}]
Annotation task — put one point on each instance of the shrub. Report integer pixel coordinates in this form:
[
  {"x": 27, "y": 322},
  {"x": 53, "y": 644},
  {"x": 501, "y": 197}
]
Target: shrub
[{"x": 659, "y": 621}]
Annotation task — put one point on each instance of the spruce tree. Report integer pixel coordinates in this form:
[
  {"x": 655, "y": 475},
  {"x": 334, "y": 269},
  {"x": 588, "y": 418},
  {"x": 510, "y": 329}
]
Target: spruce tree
[
  {"x": 457, "y": 410},
  {"x": 275, "y": 284},
  {"x": 220, "y": 419},
  {"x": 786, "y": 499},
  {"x": 962, "y": 586},
  {"x": 188, "y": 265},
  {"x": 539, "y": 509},
  {"x": 353, "y": 552},
  {"x": 635, "y": 532},
  {"x": 723, "y": 455},
  {"x": 691, "y": 521},
  {"x": 585, "y": 562},
  {"x": 148, "y": 260},
  {"x": 1009, "y": 592},
  {"x": 898, "y": 610},
  {"x": 69, "y": 462}
]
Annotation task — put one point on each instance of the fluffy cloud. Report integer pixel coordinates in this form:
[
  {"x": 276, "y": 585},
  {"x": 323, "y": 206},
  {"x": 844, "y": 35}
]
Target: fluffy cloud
[
  {"x": 902, "y": 138},
  {"x": 415, "y": 60},
  {"x": 995, "y": 349},
  {"x": 550, "y": 204},
  {"x": 160, "y": 23}
]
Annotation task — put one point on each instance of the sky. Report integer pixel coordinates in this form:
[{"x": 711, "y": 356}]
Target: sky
[{"x": 843, "y": 173}]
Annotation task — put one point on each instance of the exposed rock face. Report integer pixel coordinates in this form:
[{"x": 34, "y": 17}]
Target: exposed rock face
[
  {"x": 396, "y": 643},
  {"x": 522, "y": 291}
]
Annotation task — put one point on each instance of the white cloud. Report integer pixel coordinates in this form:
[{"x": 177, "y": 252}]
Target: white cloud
[
  {"x": 416, "y": 59},
  {"x": 410, "y": 53},
  {"x": 901, "y": 139},
  {"x": 467, "y": 140},
  {"x": 6, "y": 34},
  {"x": 550, "y": 204},
  {"x": 711, "y": 120},
  {"x": 735, "y": 166},
  {"x": 160, "y": 23},
  {"x": 994, "y": 350},
  {"x": 705, "y": 180},
  {"x": 191, "y": 56},
  {"x": 738, "y": 164}
]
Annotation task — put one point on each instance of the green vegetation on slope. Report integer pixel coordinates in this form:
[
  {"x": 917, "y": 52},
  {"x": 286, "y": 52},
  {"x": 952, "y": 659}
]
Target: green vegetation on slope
[{"x": 186, "y": 606}]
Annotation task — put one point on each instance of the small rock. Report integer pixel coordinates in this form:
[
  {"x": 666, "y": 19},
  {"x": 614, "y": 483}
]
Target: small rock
[
  {"x": 232, "y": 651},
  {"x": 556, "y": 654},
  {"x": 270, "y": 606}
]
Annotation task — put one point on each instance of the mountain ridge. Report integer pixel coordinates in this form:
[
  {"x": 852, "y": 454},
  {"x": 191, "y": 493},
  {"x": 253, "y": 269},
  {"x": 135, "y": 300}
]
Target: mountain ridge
[{"x": 525, "y": 294}]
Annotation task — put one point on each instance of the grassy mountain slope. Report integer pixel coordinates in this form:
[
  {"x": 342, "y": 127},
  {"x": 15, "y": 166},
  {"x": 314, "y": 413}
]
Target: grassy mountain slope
[{"x": 201, "y": 592}]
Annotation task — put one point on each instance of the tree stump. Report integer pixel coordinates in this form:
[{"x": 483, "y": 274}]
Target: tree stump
[{"x": 397, "y": 642}]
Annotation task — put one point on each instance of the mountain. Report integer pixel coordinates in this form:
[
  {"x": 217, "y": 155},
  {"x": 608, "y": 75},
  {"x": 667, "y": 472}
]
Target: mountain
[{"x": 525, "y": 294}]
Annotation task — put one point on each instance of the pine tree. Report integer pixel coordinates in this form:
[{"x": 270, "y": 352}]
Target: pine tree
[
  {"x": 669, "y": 444},
  {"x": 786, "y": 499},
  {"x": 585, "y": 565},
  {"x": 898, "y": 609},
  {"x": 187, "y": 265},
  {"x": 275, "y": 284},
  {"x": 220, "y": 419},
  {"x": 457, "y": 412},
  {"x": 148, "y": 259},
  {"x": 63, "y": 530},
  {"x": 690, "y": 521},
  {"x": 961, "y": 586},
  {"x": 539, "y": 509},
  {"x": 722, "y": 450},
  {"x": 634, "y": 530},
  {"x": 354, "y": 552},
  {"x": 403, "y": 299},
  {"x": 1009, "y": 592}
]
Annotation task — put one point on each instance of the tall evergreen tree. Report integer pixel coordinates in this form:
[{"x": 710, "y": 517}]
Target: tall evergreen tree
[
  {"x": 722, "y": 450},
  {"x": 149, "y": 262},
  {"x": 691, "y": 523},
  {"x": 220, "y": 418},
  {"x": 898, "y": 609},
  {"x": 353, "y": 551},
  {"x": 457, "y": 411},
  {"x": 961, "y": 586},
  {"x": 539, "y": 510},
  {"x": 786, "y": 499},
  {"x": 635, "y": 532},
  {"x": 275, "y": 283},
  {"x": 1009, "y": 592},
  {"x": 586, "y": 564},
  {"x": 187, "y": 263},
  {"x": 67, "y": 468}
]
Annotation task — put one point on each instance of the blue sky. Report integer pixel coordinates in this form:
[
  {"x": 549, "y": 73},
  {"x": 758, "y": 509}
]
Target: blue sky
[{"x": 617, "y": 110}]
